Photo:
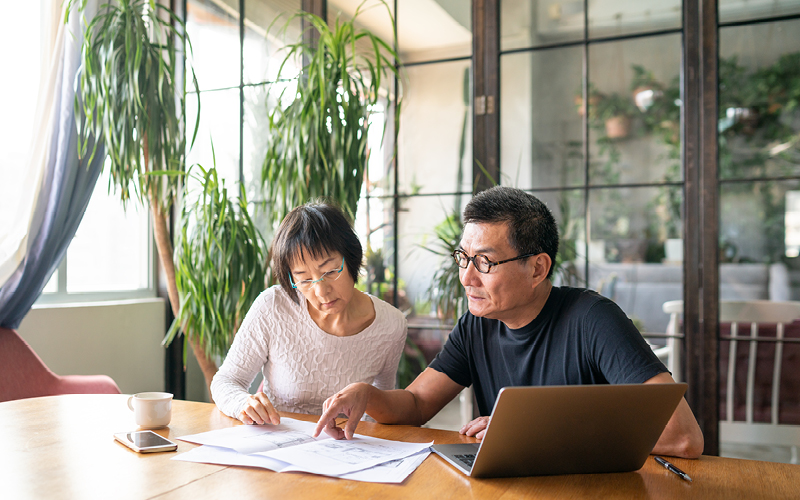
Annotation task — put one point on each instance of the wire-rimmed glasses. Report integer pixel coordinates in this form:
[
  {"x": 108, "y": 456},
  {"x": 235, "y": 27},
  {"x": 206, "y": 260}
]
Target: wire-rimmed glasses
[{"x": 329, "y": 276}]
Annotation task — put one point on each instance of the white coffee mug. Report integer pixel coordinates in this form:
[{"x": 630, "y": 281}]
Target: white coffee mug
[{"x": 151, "y": 410}]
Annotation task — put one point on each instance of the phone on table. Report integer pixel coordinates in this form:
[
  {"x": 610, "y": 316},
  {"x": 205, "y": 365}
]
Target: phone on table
[{"x": 145, "y": 441}]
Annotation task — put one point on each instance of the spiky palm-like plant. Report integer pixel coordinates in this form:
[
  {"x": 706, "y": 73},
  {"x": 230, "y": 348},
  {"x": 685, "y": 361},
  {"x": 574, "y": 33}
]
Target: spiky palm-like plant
[
  {"x": 221, "y": 264},
  {"x": 132, "y": 96},
  {"x": 317, "y": 144}
]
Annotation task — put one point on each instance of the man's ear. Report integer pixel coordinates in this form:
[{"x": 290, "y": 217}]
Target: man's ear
[{"x": 541, "y": 267}]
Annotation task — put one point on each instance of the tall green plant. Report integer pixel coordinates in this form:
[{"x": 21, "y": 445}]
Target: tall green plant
[
  {"x": 132, "y": 95},
  {"x": 445, "y": 290},
  {"x": 220, "y": 265},
  {"x": 317, "y": 144}
]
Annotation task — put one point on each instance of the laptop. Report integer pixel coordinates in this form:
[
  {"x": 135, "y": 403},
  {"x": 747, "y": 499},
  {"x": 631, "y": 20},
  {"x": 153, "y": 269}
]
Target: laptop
[{"x": 573, "y": 429}]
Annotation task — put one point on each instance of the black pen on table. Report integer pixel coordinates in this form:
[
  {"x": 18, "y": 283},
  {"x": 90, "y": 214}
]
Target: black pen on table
[{"x": 673, "y": 469}]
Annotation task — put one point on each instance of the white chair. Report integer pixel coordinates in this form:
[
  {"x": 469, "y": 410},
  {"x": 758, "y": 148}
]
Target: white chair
[
  {"x": 672, "y": 351},
  {"x": 752, "y": 313}
]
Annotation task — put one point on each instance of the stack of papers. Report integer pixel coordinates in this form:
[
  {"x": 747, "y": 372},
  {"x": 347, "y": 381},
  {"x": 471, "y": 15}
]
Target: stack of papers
[{"x": 290, "y": 447}]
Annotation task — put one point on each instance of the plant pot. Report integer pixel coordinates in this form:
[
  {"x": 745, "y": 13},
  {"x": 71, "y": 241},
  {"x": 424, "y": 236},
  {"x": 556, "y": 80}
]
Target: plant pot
[
  {"x": 747, "y": 118},
  {"x": 644, "y": 97},
  {"x": 631, "y": 250},
  {"x": 597, "y": 250},
  {"x": 581, "y": 107},
  {"x": 673, "y": 250},
  {"x": 618, "y": 127}
]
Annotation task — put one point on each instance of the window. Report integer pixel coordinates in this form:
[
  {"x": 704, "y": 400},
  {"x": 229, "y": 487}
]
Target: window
[{"x": 111, "y": 256}]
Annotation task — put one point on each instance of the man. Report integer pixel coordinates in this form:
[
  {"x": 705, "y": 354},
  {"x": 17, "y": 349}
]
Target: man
[{"x": 520, "y": 330}]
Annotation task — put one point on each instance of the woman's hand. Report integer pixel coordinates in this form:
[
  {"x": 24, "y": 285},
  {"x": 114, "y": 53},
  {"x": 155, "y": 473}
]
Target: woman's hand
[
  {"x": 476, "y": 428},
  {"x": 259, "y": 410}
]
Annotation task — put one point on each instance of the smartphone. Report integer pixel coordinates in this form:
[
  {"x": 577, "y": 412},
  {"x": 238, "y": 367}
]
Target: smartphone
[{"x": 145, "y": 441}]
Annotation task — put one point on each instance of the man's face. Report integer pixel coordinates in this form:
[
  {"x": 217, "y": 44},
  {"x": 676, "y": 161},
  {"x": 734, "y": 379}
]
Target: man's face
[{"x": 506, "y": 291}]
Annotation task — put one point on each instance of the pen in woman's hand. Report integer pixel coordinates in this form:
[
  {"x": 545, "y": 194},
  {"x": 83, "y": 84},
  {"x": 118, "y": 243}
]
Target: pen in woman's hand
[{"x": 673, "y": 469}]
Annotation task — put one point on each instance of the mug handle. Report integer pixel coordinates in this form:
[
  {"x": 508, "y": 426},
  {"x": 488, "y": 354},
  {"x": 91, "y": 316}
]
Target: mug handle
[{"x": 129, "y": 403}]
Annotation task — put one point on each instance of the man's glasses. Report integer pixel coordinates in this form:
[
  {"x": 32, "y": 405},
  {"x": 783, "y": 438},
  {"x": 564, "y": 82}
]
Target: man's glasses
[
  {"x": 481, "y": 262},
  {"x": 329, "y": 276}
]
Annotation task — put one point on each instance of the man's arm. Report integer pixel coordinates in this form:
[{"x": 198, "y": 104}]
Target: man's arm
[
  {"x": 682, "y": 437},
  {"x": 415, "y": 405}
]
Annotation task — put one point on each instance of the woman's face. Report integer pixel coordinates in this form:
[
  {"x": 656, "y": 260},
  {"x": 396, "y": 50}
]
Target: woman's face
[{"x": 331, "y": 295}]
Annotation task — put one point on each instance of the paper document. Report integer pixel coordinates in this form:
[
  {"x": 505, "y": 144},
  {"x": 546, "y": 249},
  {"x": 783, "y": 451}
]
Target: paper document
[
  {"x": 391, "y": 472},
  {"x": 254, "y": 438},
  {"x": 334, "y": 458},
  {"x": 290, "y": 447}
]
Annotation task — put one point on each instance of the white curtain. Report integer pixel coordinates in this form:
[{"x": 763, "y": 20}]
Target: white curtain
[{"x": 18, "y": 200}]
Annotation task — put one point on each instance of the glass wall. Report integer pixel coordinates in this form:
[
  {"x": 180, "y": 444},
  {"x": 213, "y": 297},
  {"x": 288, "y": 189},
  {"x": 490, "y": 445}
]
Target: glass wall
[
  {"x": 236, "y": 57},
  {"x": 435, "y": 167},
  {"x": 609, "y": 88},
  {"x": 759, "y": 166}
]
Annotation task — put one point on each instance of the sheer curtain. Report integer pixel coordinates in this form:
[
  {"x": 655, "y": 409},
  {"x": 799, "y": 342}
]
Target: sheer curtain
[{"x": 57, "y": 186}]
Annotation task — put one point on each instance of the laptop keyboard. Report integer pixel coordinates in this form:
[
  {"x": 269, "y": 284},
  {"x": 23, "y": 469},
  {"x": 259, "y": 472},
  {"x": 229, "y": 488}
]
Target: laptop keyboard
[{"x": 466, "y": 459}]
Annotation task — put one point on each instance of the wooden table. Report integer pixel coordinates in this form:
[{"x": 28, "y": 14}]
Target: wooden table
[{"x": 62, "y": 447}]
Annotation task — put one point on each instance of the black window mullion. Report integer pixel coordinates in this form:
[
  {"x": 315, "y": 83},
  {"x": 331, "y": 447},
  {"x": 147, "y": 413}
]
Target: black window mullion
[{"x": 241, "y": 91}]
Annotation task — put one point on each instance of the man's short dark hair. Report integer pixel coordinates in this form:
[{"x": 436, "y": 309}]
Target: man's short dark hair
[
  {"x": 531, "y": 226},
  {"x": 317, "y": 228}
]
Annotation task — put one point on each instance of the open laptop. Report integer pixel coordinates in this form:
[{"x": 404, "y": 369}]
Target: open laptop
[{"x": 574, "y": 429}]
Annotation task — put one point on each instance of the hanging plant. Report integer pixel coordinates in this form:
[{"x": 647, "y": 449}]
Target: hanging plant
[
  {"x": 317, "y": 143},
  {"x": 645, "y": 89},
  {"x": 614, "y": 112}
]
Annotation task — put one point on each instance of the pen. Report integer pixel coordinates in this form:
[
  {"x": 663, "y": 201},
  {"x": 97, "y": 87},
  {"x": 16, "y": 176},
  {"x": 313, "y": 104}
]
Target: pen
[{"x": 672, "y": 468}]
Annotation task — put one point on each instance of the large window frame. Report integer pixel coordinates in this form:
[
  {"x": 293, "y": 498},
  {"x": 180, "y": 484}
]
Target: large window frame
[{"x": 699, "y": 184}]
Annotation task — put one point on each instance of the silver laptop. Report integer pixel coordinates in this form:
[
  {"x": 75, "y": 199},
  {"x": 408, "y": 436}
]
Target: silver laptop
[{"x": 573, "y": 429}]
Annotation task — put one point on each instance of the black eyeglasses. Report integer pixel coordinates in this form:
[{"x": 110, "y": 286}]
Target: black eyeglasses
[{"x": 481, "y": 262}]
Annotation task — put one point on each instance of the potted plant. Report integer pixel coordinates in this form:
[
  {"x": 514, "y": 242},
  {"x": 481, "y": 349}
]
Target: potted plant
[
  {"x": 740, "y": 101},
  {"x": 781, "y": 83},
  {"x": 317, "y": 141},
  {"x": 614, "y": 112},
  {"x": 645, "y": 89},
  {"x": 663, "y": 116},
  {"x": 445, "y": 291},
  {"x": 132, "y": 95},
  {"x": 221, "y": 265},
  {"x": 594, "y": 97}
]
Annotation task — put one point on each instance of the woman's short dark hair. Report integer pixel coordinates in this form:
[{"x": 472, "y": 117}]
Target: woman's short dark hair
[
  {"x": 531, "y": 226},
  {"x": 318, "y": 228}
]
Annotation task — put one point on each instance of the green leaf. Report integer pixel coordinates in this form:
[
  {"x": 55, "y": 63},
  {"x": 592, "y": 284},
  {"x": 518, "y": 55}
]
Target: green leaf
[{"x": 317, "y": 140}]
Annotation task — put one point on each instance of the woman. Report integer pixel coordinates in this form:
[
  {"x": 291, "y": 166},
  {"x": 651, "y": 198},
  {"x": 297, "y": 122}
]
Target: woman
[{"x": 314, "y": 333}]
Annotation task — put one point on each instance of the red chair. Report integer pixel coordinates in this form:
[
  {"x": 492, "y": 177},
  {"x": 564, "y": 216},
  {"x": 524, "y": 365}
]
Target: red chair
[{"x": 23, "y": 374}]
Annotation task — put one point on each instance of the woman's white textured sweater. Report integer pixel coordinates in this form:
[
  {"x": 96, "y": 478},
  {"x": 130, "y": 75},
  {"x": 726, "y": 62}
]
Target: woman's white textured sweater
[{"x": 302, "y": 364}]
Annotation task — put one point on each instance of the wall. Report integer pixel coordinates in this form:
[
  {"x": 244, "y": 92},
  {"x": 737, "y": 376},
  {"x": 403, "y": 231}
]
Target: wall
[{"x": 120, "y": 339}]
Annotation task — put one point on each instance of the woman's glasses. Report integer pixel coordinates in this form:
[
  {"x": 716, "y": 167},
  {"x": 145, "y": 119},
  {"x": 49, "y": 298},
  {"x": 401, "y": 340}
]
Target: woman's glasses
[{"x": 329, "y": 276}]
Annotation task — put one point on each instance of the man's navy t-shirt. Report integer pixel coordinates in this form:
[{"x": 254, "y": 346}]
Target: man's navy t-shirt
[{"x": 579, "y": 337}]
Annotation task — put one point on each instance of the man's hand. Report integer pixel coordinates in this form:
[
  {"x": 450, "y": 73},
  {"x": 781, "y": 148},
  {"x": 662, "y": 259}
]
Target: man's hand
[
  {"x": 476, "y": 428},
  {"x": 352, "y": 401},
  {"x": 259, "y": 410}
]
